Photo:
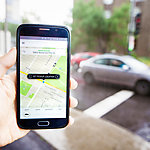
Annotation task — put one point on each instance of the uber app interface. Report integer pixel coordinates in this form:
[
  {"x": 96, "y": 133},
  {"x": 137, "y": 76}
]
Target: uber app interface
[{"x": 43, "y": 77}]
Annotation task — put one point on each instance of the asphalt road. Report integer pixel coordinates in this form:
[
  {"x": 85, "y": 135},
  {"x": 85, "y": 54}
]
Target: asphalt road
[
  {"x": 133, "y": 114},
  {"x": 89, "y": 95}
]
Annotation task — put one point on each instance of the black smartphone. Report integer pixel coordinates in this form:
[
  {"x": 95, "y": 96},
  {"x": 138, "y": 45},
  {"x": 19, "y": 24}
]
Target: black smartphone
[{"x": 43, "y": 76}]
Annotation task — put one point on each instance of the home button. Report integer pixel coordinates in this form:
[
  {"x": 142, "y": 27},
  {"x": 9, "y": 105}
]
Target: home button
[{"x": 43, "y": 123}]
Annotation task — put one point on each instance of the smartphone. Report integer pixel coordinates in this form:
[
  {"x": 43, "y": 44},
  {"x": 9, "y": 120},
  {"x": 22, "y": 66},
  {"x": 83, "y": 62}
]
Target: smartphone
[{"x": 43, "y": 76}]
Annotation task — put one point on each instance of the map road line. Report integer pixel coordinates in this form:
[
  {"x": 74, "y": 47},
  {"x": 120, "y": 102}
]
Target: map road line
[
  {"x": 34, "y": 96},
  {"x": 23, "y": 73}
]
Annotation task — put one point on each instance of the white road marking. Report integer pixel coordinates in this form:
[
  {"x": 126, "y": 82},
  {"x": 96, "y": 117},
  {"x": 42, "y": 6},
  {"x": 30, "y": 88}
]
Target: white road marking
[{"x": 103, "y": 107}]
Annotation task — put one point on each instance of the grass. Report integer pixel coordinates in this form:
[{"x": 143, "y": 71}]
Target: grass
[
  {"x": 30, "y": 96},
  {"x": 24, "y": 87},
  {"x": 145, "y": 60}
]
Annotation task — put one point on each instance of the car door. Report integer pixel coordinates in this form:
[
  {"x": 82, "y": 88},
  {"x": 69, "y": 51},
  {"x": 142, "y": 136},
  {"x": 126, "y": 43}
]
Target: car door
[
  {"x": 118, "y": 72},
  {"x": 100, "y": 69}
]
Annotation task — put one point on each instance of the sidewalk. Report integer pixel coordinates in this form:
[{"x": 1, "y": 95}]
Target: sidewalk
[{"x": 89, "y": 133}]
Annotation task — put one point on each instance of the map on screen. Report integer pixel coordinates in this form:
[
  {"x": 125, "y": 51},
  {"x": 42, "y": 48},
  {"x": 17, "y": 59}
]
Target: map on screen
[{"x": 43, "y": 98}]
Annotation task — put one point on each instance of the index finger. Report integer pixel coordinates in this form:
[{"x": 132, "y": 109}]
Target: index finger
[{"x": 7, "y": 61}]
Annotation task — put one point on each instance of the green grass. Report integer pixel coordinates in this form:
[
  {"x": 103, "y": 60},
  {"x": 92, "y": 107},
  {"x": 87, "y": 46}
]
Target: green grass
[
  {"x": 24, "y": 87},
  {"x": 30, "y": 96},
  {"x": 60, "y": 67},
  {"x": 145, "y": 60}
]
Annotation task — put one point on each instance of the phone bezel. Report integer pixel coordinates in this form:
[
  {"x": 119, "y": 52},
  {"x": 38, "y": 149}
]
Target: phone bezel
[{"x": 33, "y": 30}]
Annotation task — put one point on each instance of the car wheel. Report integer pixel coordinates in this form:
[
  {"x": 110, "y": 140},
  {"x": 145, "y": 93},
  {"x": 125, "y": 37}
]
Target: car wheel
[
  {"x": 88, "y": 78},
  {"x": 75, "y": 66},
  {"x": 142, "y": 87}
]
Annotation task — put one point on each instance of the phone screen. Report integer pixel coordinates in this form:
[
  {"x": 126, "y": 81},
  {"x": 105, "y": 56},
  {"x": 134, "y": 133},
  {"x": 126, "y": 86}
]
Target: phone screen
[{"x": 43, "y": 77}]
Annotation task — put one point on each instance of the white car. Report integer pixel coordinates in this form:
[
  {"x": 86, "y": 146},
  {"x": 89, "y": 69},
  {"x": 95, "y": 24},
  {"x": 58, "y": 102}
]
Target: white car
[{"x": 122, "y": 70}]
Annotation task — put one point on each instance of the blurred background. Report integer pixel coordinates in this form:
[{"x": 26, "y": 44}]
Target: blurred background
[{"x": 110, "y": 47}]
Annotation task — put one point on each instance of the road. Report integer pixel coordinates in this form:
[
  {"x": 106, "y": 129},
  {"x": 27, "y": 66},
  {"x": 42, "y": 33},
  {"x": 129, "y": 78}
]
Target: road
[{"x": 133, "y": 114}]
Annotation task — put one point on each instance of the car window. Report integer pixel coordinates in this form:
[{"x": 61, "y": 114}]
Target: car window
[
  {"x": 116, "y": 63},
  {"x": 101, "y": 61},
  {"x": 86, "y": 56}
]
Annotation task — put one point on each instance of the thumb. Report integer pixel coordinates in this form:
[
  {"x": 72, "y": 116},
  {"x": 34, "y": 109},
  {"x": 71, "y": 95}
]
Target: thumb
[{"x": 7, "y": 61}]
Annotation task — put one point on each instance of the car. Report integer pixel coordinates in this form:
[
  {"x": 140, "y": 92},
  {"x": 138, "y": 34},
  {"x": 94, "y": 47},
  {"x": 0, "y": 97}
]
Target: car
[
  {"x": 121, "y": 70},
  {"x": 78, "y": 57}
]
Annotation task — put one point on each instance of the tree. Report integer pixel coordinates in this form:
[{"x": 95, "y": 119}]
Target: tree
[
  {"x": 11, "y": 27},
  {"x": 118, "y": 25},
  {"x": 91, "y": 28},
  {"x": 89, "y": 25}
]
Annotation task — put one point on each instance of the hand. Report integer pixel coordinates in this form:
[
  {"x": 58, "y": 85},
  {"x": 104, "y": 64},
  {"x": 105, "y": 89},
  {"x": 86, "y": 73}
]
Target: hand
[{"x": 9, "y": 130}]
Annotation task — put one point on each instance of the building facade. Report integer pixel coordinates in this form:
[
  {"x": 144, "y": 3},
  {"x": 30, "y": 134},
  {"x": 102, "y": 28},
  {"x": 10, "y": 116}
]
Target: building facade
[{"x": 143, "y": 39}]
